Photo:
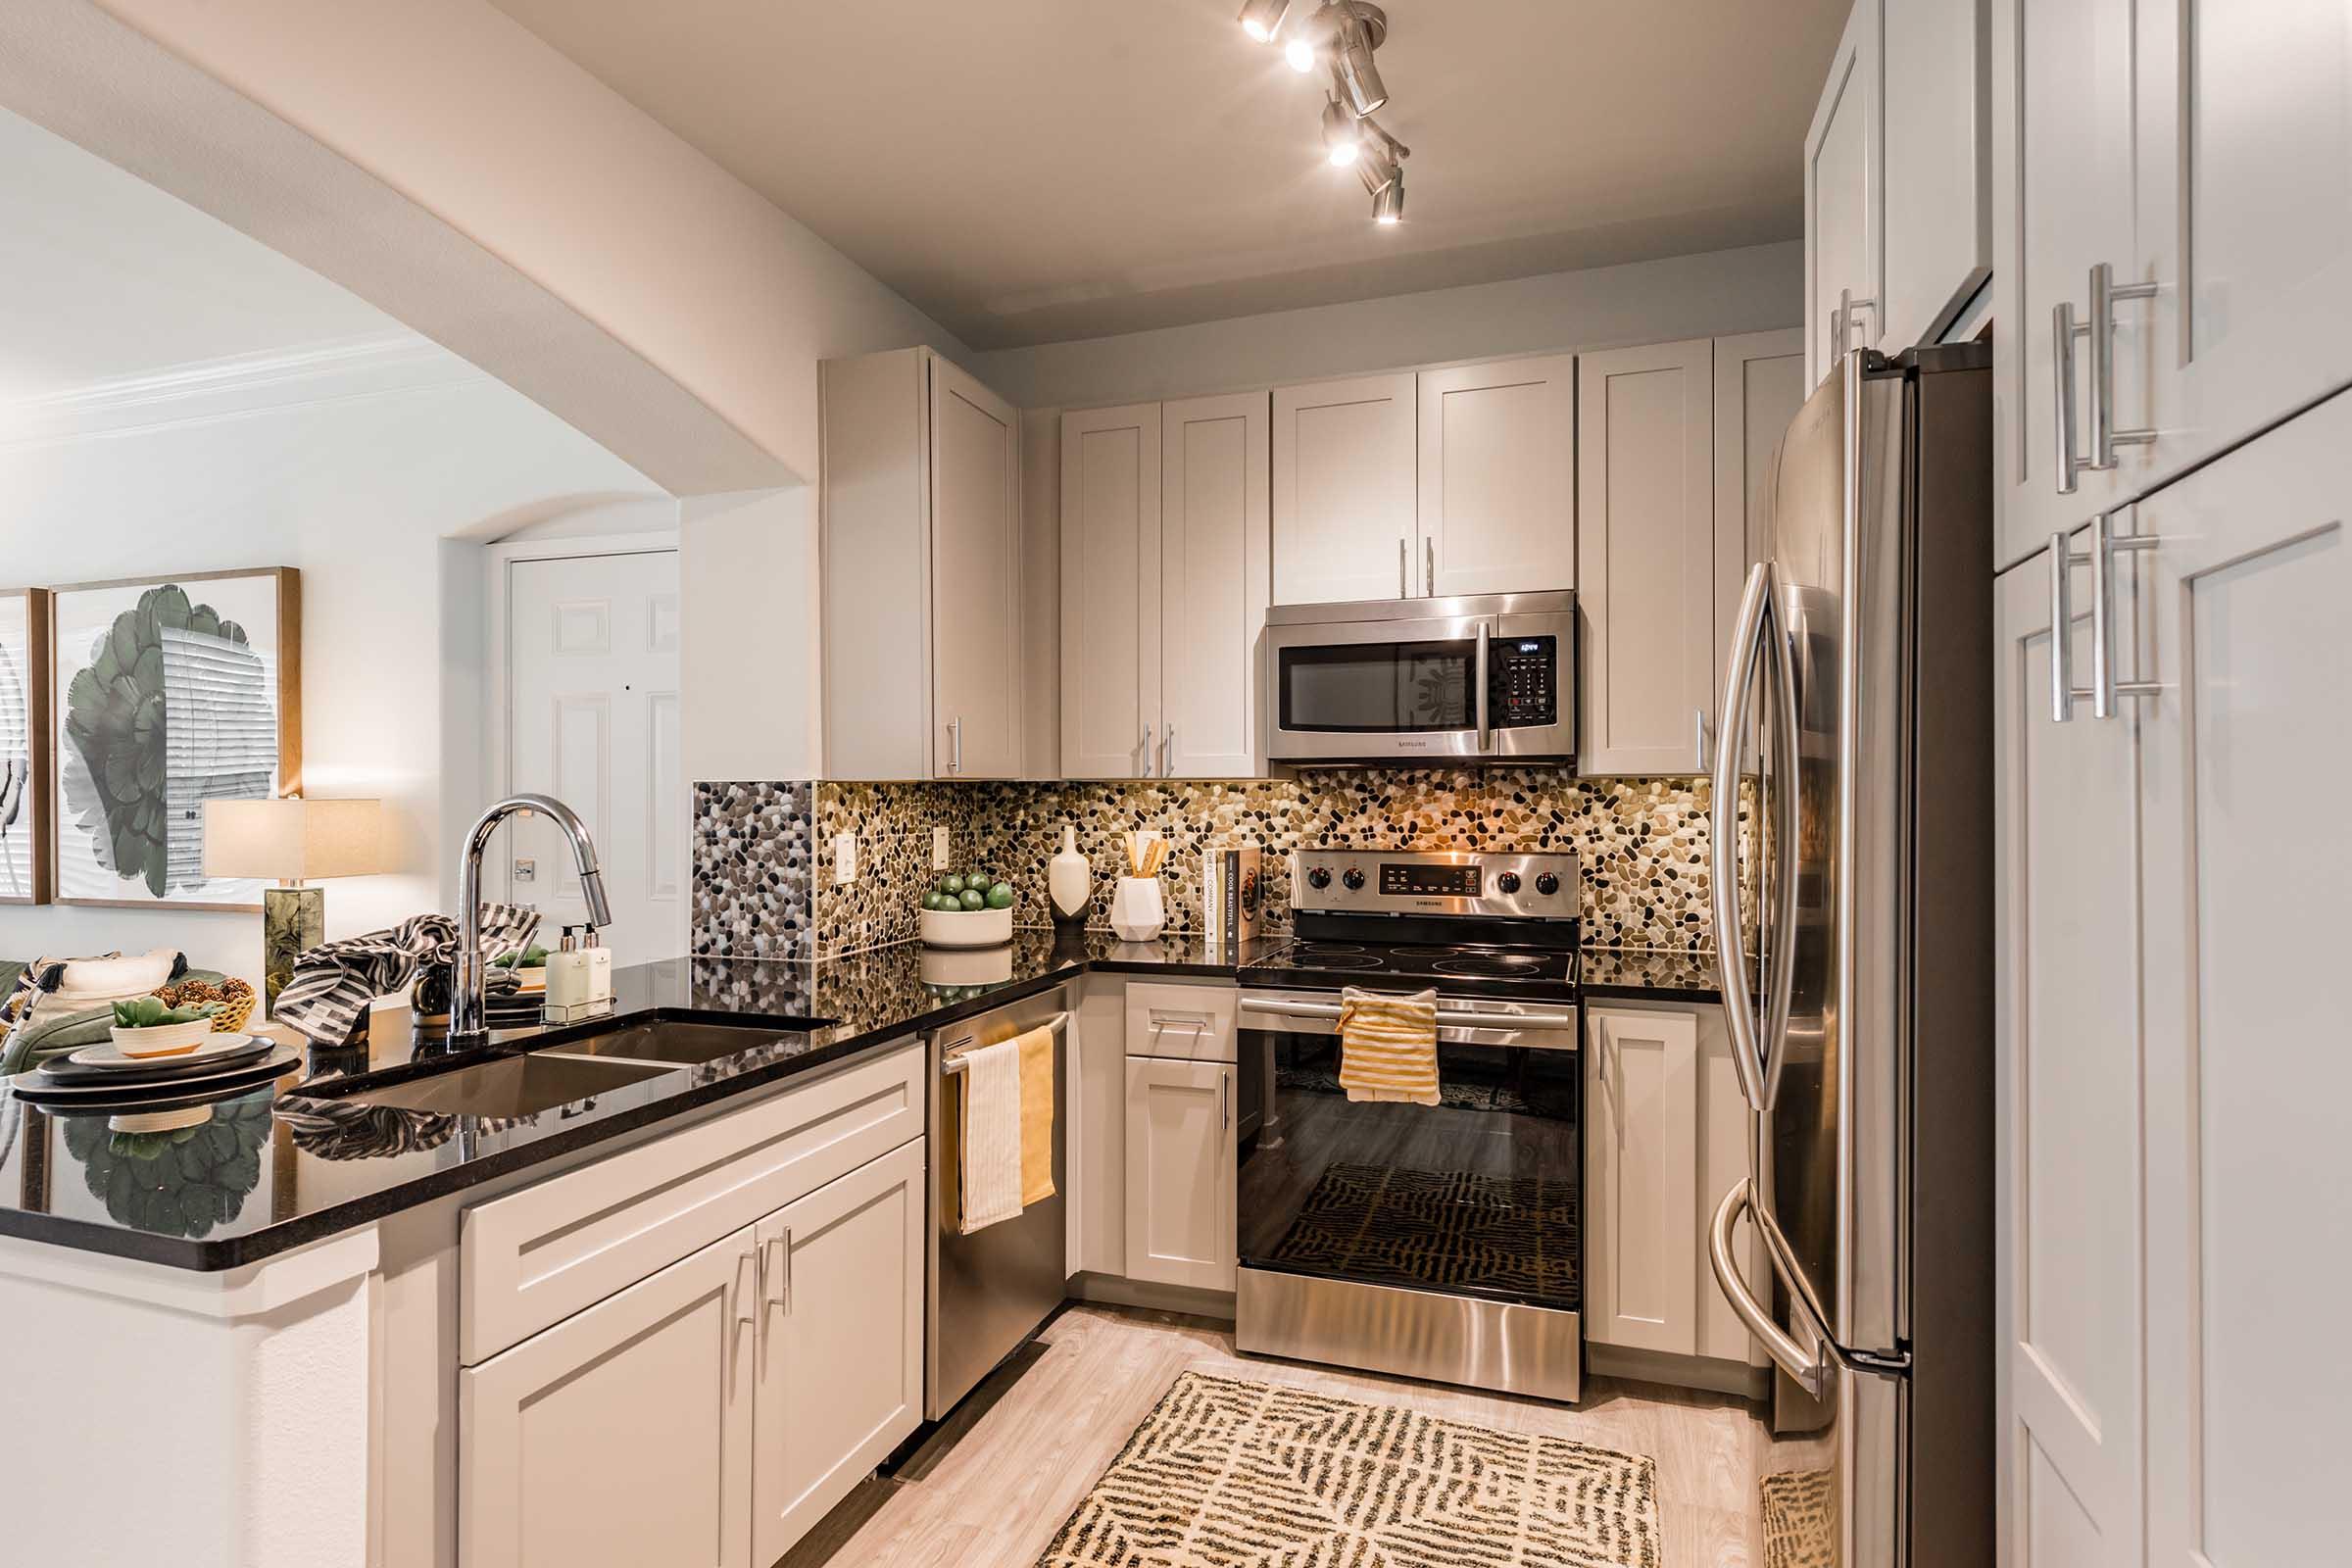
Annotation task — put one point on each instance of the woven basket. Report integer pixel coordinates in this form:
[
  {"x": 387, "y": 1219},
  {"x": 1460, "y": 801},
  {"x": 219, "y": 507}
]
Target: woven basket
[{"x": 234, "y": 1015}]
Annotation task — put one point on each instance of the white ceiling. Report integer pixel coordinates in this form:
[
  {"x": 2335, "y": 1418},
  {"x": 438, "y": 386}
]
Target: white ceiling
[
  {"x": 104, "y": 276},
  {"x": 1030, "y": 171}
]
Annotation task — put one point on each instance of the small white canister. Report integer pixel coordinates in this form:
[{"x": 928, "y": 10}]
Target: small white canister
[{"x": 1136, "y": 913}]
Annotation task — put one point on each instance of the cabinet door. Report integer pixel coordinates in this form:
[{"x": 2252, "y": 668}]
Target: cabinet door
[
  {"x": 2245, "y": 221},
  {"x": 1110, "y": 591},
  {"x": 840, "y": 1344},
  {"x": 1343, "y": 490},
  {"x": 1759, "y": 385},
  {"x": 2248, "y": 1083},
  {"x": 1645, "y": 557},
  {"x": 1936, "y": 80},
  {"x": 1497, "y": 512},
  {"x": 2068, "y": 1058},
  {"x": 1724, "y": 1121},
  {"x": 2063, "y": 153},
  {"x": 975, "y": 586},
  {"x": 1216, "y": 552},
  {"x": 622, "y": 1436},
  {"x": 1179, "y": 1173},
  {"x": 1642, "y": 1158},
  {"x": 1098, "y": 1131},
  {"x": 1844, "y": 201}
]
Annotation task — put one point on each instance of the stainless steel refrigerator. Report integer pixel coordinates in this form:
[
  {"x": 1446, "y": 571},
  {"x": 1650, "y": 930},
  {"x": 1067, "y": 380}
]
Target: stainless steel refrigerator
[{"x": 1852, "y": 884}]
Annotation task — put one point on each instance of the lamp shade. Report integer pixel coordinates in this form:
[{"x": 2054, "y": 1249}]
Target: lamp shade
[{"x": 292, "y": 840}]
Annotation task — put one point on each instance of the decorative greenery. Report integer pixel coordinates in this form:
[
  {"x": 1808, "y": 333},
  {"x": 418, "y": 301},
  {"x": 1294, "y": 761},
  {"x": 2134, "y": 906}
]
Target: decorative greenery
[
  {"x": 532, "y": 957},
  {"x": 153, "y": 1012},
  {"x": 180, "y": 1183},
  {"x": 115, "y": 719}
]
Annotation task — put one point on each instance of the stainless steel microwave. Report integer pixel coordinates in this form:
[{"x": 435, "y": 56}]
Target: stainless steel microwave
[{"x": 1487, "y": 677}]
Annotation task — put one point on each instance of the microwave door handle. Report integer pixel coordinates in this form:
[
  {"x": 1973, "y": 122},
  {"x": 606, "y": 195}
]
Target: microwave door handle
[{"x": 1486, "y": 730}]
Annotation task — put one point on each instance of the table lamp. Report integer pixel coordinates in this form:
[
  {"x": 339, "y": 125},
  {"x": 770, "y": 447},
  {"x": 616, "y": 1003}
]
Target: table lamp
[{"x": 295, "y": 841}]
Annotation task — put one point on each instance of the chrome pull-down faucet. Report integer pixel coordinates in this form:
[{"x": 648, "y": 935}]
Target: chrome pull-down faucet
[{"x": 468, "y": 1010}]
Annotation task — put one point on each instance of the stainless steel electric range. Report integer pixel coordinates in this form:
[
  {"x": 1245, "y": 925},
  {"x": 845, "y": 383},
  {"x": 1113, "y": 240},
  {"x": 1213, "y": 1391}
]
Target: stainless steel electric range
[{"x": 1441, "y": 1241}]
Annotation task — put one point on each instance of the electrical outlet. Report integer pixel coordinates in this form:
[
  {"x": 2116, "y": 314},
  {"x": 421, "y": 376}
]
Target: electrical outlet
[
  {"x": 939, "y": 849},
  {"x": 845, "y": 859}
]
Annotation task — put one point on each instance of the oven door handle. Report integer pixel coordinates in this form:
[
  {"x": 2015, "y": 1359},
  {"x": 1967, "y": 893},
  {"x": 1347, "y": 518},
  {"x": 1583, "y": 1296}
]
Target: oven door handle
[{"x": 1448, "y": 1018}]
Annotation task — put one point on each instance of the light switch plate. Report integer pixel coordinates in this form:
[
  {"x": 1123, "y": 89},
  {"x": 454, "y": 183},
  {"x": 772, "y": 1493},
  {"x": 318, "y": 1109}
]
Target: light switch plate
[
  {"x": 939, "y": 849},
  {"x": 845, "y": 859}
]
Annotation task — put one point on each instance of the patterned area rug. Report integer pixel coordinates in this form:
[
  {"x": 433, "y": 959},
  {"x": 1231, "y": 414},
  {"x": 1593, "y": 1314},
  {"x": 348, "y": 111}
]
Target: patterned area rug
[
  {"x": 1228, "y": 1474},
  {"x": 1800, "y": 1519},
  {"x": 1515, "y": 1234}
]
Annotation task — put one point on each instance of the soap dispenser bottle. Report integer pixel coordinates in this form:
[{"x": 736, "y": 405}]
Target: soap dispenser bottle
[
  {"x": 567, "y": 976},
  {"x": 600, "y": 967}
]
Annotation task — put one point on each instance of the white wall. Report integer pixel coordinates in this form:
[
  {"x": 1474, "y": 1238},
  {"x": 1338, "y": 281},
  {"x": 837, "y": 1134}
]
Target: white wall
[
  {"x": 748, "y": 648},
  {"x": 1746, "y": 290},
  {"x": 368, "y": 497}
]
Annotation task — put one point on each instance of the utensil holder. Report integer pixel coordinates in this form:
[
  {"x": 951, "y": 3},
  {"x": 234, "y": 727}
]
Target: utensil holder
[{"x": 1137, "y": 912}]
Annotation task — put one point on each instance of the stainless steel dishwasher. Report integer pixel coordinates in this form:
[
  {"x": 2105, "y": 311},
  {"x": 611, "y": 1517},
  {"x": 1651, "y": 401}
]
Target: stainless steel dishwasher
[{"x": 991, "y": 1290}]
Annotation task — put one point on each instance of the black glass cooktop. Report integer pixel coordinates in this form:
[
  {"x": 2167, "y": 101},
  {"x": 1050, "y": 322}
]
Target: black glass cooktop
[{"x": 1463, "y": 969}]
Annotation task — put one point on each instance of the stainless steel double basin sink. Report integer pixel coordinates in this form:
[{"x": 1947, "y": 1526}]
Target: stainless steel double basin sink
[{"x": 575, "y": 1067}]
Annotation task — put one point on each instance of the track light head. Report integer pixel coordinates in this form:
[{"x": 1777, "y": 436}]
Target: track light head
[
  {"x": 1388, "y": 202},
  {"x": 1343, "y": 143},
  {"x": 1300, "y": 53},
  {"x": 1361, "y": 28},
  {"x": 1262, "y": 18}
]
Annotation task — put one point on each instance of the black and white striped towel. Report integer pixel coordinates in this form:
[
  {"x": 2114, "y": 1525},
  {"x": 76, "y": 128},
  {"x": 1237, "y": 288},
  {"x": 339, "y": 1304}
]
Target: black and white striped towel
[{"x": 334, "y": 983}]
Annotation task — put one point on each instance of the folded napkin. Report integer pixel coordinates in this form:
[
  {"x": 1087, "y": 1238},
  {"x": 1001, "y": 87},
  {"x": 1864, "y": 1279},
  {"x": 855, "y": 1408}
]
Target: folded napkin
[
  {"x": 989, "y": 1173},
  {"x": 1389, "y": 1046},
  {"x": 335, "y": 982}
]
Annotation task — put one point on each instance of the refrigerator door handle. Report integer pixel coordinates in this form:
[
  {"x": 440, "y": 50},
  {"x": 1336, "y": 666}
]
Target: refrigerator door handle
[
  {"x": 1759, "y": 1044},
  {"x": 1810, "y": 1372}
]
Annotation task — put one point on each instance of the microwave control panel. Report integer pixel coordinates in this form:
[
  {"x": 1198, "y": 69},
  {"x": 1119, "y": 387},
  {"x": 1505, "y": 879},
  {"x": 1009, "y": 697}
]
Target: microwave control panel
[{"x": 1523, "y": 687}]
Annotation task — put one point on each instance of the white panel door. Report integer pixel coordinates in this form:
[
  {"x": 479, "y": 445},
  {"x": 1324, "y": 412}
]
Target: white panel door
[
  {"x": 1759, "y": 385},
  {"x": 1179, "y": 1173},
  {"x": 622, "y": 1436},
  {"x": 1724, "y": 1120},
  {"x": 1936, "y": 79},
  {"x": 1497, "y": 512},
  {"x": 840, "y": 1355},
  {"x": 2063, "y": 166},
  {"x": 593, "y": 706},
  {"x": 1642, "y": 1160},
  {"x": 1343, "y": 490},
  {"x": 1096, "y": 1138},
  {"x": 1215, "y": 579},
  {"x": 1645, "y": 557},
  {"x": 1110, "y": 591},
  {"x": 2245, "y": 215},
  {"x": 2068, "y": 1066},
  {"x": 2248, "y": 851},
  {"x": 975, "y": 585},
  {"x": 1844, "y": 201}
]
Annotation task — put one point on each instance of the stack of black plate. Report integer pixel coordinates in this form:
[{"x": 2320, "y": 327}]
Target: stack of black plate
[{"x": 101, "y": 1077}]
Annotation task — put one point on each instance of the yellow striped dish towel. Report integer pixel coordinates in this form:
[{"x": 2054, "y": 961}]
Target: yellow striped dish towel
[{"x": 1389, "y": 1046}]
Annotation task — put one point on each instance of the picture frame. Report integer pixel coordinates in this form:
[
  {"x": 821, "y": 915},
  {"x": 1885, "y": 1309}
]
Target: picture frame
[
  {"x": 24, "y": 740},
  {"x": 166, "y": 691}
]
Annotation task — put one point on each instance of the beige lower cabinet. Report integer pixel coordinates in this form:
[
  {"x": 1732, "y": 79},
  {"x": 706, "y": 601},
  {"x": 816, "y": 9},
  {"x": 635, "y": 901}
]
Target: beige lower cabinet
[
  {"x": 714, "y": 1411},
  {"x": 1665, "y": 1138},
  {"x": 1181, "y": 1153},
  {"x": 622, "y": 1436}
]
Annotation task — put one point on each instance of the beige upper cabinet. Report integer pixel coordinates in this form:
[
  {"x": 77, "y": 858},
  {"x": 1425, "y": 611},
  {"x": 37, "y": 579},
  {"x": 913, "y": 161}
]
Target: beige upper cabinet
[
  {"x": 1760, "y": 386},
  {"x": 1166, "y": 570},
  {"x": 1497, "y": 512},
  {"x": 1936, "y": 80},
  {"x": 921, "y": 547},
  {"x": 1110, "y": 587},
  {"x": 1215, "y": 580},
  {"x": 1845, "y": 308},
  {"x": 1645, "y": 557},
  {"x": 1345, "y": 491}
]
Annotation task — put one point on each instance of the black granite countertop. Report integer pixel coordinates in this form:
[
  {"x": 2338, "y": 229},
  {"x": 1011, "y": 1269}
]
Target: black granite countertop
[
  {"x": 292, "y": 1162},
  {"x": 289, "y": 1163}
]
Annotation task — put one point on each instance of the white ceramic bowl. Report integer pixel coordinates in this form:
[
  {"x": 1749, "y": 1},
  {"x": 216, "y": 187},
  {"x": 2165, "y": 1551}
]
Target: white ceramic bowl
[
  {"x": 966, "y": 928},
  {"x": 966, "y": 966},
  {"x": 164, "y": 1040}
]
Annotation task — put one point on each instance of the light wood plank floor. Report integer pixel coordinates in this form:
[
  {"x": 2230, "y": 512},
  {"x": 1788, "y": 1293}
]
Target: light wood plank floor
[{"x": 996, "y": 1498}]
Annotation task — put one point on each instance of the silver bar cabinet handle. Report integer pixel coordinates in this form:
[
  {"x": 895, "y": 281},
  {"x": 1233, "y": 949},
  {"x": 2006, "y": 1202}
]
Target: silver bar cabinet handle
[
  {"x": 1148, "y": 753},
  {"x": 1405, "y": 556},
  {"x": 2064, "y": 329},
  {"x": 1167, "y": 752},
  {"x": 955, "y": 746},
  {"x": 2105, "y": 437},
  {"x": 1698, "y": 720},
  {"x": 1224, "y": 1101},
  {"x": 1429, "y": 567},
  {"x": 2104, "y": 691}
]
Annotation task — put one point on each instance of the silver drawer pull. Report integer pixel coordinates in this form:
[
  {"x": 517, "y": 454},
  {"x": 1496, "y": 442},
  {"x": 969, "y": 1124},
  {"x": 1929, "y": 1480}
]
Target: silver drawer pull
[{"x": 2105, "y": 690}]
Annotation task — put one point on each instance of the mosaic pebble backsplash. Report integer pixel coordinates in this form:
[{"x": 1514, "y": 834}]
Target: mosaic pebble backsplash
[{"x": 1643, "y": 843}]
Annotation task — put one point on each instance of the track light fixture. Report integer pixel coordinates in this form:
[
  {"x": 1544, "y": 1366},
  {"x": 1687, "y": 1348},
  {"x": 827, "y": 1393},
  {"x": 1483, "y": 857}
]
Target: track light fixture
[
  {"x": 1262, "y": 18},
  {"x": 1346, "y": 33}
]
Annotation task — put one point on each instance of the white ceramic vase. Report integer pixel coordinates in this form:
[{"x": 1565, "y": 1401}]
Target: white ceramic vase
[
  {"x": 1136, "y": 912},
  {"x": 1069, "y": 880}
]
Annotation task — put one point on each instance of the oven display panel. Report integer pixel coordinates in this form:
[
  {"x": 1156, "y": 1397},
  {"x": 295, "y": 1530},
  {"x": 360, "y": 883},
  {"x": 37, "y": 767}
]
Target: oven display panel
[{"x": 1430, "y": 881}]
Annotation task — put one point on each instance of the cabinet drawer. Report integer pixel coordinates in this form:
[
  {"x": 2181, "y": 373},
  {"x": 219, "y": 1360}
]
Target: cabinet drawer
[
  {"x": 535, "y": 1258},
  {"x": 1182, "y": 1023}
]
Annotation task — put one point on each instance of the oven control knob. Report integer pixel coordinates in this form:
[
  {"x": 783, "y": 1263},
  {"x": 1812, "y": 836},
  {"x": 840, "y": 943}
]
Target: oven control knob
[
  {"x": 1547, "y": 884},
  {"x": 1354, "y": 878},
  {"x": 1318, "y": 878},
  {"x": 1508, "y": 882}
]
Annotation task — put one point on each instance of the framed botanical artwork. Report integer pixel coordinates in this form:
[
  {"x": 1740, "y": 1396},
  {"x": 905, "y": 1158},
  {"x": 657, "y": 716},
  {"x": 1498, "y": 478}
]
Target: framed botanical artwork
[
  {"x": 167, "y": 692},
  {"x": 24, "y": 746}
]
